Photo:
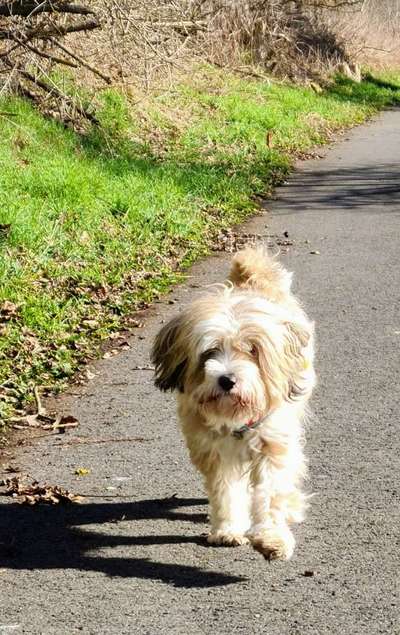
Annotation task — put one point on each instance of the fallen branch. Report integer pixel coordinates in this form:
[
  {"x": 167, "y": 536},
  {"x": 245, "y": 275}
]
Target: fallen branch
[
  {"x": 28, "y": 9},
  {"x": 48, "y": 56},
  {"x": 46, "y": 32},
  {"x": 53, "y": 90},
  {"x": 85, "y": 441},
  {"x": 40, "y": 409},
  {"x": 248, "y": 72}
]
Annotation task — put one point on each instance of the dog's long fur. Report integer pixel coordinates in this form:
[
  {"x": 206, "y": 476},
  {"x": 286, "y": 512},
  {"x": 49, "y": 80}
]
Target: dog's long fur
[{"x": 253, "y": 331}]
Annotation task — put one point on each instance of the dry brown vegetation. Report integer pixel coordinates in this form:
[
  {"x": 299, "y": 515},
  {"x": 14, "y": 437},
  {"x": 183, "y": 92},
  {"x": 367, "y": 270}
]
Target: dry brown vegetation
[
  {"x": 139, "y": 45},
  {"x": 371, "y": 32}
]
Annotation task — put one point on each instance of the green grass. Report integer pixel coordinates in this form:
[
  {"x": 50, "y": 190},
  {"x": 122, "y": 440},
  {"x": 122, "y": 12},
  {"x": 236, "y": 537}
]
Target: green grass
[{"x": 91, "y": 227}]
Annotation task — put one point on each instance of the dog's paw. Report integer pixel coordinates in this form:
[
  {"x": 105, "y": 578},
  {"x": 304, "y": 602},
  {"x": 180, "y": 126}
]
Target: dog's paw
[
  {"x": 227, "y": 538},
  {"x": 275, "y": 543}
]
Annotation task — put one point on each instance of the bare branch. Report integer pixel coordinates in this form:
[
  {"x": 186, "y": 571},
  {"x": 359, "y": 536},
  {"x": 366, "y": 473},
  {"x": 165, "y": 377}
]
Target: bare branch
[
  {"x": 27, "y": 8},
  {"x": 48, "y": 31},
  {"x": 81, "y": 61},
  {"x": 53, "y": 58},
  {"x": 53, "y": 90}
]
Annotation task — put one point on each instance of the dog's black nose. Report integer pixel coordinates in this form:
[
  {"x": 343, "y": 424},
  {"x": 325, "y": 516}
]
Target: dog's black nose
[{"x": 226, "y": 382}]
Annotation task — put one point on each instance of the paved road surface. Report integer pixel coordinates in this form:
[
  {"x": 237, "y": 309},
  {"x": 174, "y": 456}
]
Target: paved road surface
[{"x": 131, "y": 559}]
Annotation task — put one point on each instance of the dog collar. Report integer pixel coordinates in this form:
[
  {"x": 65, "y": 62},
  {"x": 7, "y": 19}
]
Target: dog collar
[{"x": 246, "y": 427}]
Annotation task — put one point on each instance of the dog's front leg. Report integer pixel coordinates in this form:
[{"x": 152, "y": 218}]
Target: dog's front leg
[
  {"x": 270, "y": 534},
  {"x": 228, "y": 492}
]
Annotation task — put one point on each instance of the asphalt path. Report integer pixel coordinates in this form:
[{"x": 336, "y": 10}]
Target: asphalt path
[{"x": 132, "y": 558}]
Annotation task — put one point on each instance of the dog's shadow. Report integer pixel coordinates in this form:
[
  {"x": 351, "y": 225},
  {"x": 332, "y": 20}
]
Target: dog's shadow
[{"x": 52, "y": 537}]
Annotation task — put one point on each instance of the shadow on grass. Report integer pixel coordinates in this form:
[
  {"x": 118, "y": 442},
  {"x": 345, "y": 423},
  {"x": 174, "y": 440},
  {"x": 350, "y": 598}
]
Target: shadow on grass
[
  {"x": 190, "y": 170},
  {"x": 193, "y": 174},
  {"x": 369, "y": 92},
  {"x": 43, "y": 538},
  {"x": 381, "y": 83},
  {"x": 226, "y": 180}
]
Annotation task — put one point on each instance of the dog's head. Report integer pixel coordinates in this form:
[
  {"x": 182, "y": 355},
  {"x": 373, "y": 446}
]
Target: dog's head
[{"x": 235, "y": 355}]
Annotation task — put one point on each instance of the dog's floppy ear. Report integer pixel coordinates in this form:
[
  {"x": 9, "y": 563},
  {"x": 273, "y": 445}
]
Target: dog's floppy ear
[
  {"x": 298, "y": 357},
  {"x": 297, "y": 338},
  {"x": 169, "y": 357}
]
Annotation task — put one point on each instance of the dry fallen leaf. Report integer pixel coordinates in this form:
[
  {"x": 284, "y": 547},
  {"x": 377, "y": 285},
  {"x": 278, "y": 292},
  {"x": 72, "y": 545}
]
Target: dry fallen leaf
[
  {"x": 11, "y": 469},
  {"x": 34, "y": 494},
  {"x": 8, "y": 306},
  {"x": 84, "y": 238},
  {"x": 5, "y": 229},
  {"x": 82, "y": 471},
  {"x": 230, "y": 241},
  {"x": 269, "y": 139},
  {"x": 91, "y": 324},
  {"x": 8, "y": 310}
]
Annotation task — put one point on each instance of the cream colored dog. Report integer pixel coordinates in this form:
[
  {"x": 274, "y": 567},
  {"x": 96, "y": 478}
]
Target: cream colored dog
[{"x": 241, "y": 361}]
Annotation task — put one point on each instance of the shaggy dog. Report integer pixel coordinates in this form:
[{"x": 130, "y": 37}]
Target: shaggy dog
[{"x": 241, "y": 362}]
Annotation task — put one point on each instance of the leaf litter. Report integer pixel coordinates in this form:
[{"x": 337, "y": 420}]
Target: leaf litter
[
  {"x": 230, "y": 241},
  {"x": 8, "y": 311},
  {"x": 35, "y": 493}
]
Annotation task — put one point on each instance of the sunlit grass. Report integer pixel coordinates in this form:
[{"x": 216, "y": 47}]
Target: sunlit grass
[{"x": 92, "y": 226}]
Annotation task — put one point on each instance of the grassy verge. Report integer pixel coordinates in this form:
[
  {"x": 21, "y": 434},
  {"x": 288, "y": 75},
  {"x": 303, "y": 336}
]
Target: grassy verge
[{"x": 93, "y": 226}]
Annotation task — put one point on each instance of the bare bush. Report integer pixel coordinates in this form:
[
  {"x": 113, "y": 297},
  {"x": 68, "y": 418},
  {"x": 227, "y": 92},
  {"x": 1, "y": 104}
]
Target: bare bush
[
  {"x": 372, "y": 32},
  {"x": 31, "y": 34},
  {"x": 142, "y": 44},
  {"x": 286, "y": 38},
  {"x": 119, "y": 42}
]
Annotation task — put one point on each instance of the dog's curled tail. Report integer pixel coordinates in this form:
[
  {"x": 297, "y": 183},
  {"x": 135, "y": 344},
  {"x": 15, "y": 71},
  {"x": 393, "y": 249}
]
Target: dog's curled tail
[{"x": 255, "y": 269}]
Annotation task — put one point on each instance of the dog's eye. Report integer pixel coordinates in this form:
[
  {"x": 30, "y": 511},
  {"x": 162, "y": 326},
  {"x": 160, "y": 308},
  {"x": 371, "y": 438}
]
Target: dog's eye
[
  {"x": 212, "y": 352},
  {"x": 209, "y": 354},
  {"x": 253, "y": 351}
]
